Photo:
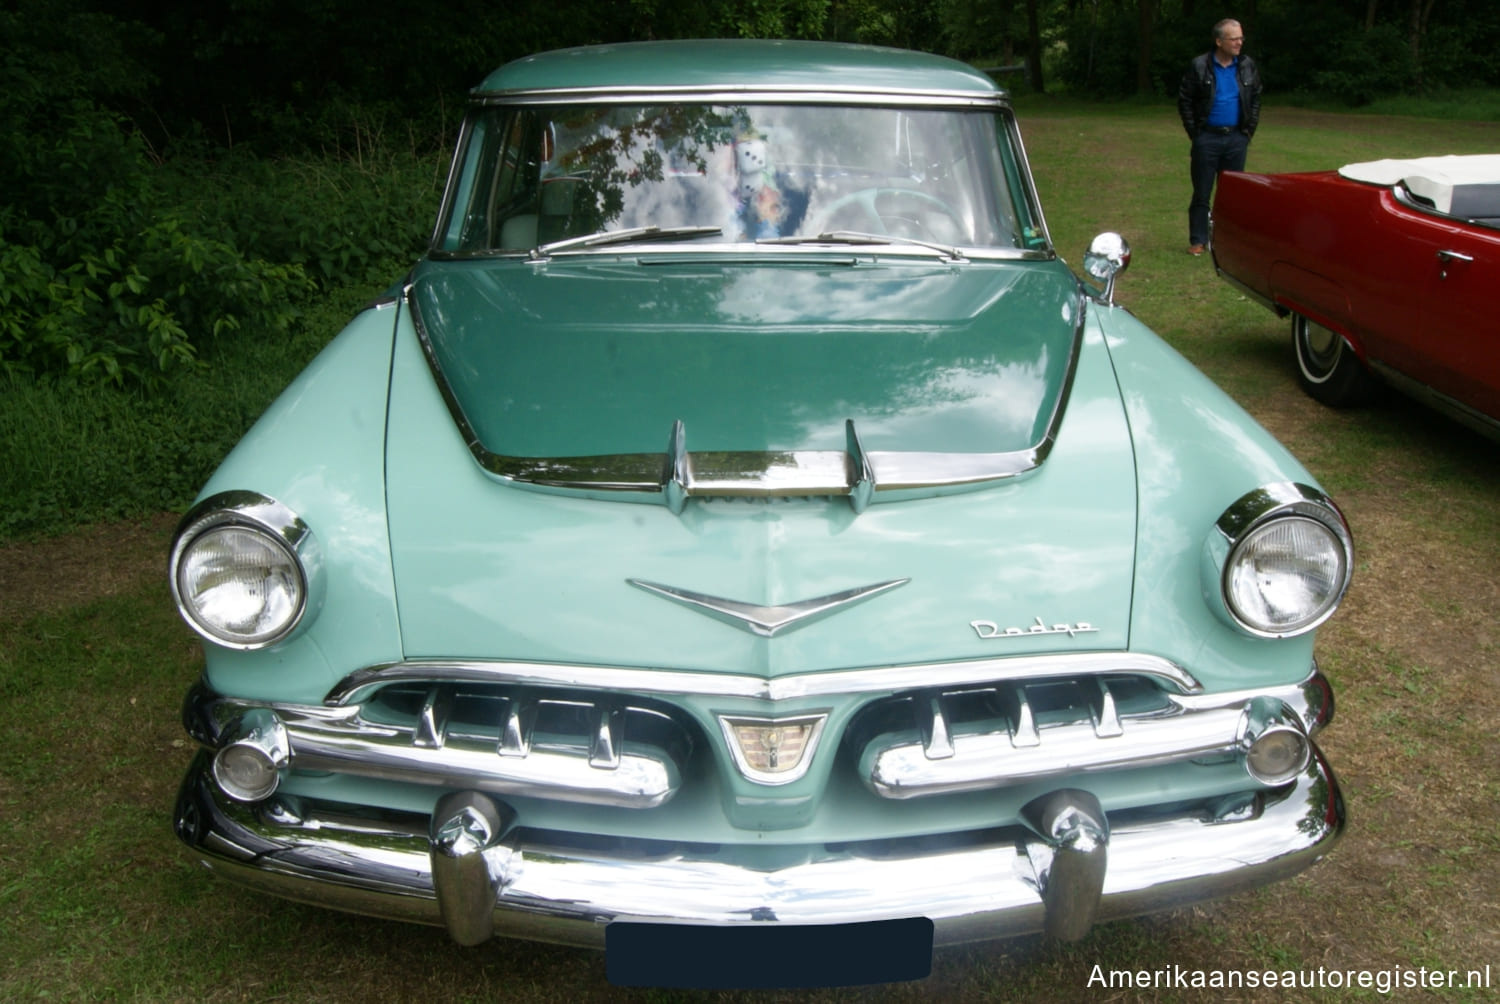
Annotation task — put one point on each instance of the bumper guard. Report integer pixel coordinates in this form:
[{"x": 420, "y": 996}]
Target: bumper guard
[{"x": 472, "y": 870}]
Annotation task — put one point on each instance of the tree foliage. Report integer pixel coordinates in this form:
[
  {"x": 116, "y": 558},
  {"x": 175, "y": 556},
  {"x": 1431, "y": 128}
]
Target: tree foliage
[
  {"x": 1350, "y": 50},
  {"x": 104, "y": 280},
  {"x": 124, "y": 250}
]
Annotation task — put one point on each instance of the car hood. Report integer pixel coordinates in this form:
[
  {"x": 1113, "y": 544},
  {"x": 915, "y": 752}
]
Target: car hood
[
  {"x": 591, "y": 358},
  {"x": 763, "y": 357}
]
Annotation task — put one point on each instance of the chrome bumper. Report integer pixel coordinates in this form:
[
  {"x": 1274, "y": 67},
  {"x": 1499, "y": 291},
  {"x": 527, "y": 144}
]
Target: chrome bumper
[{"x": 469, "y": 868}]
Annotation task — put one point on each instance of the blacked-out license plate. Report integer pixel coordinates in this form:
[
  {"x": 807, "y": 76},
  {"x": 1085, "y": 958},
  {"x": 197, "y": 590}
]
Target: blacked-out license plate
[{"x": 767, "y": 955}]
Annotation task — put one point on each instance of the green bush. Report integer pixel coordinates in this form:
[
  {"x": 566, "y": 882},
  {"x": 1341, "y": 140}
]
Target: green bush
[
  {"x": 1373, "y": 64},
  {"x": 74, "y": 452},
  {"x": 106, "y": 279},
  {"x": 340, "y": 219},
  {"x": 131, "y": 310}
]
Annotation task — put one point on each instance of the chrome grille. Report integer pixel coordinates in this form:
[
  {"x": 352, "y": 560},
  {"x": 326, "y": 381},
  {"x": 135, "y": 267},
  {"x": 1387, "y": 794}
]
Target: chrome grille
[
  {"x": 974, "y": 738},
  {"x": 500, "y": 739},
  {"x": 515, "y": 723}
]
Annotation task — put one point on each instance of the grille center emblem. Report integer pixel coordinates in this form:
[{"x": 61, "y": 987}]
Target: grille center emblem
[
  {"x": 767, "y": 621},
  {"x": 772, "y": 750}
]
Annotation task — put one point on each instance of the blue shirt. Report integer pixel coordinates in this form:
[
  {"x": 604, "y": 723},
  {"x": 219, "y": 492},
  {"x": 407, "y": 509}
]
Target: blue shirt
[{"x": 1226, "y": 108}]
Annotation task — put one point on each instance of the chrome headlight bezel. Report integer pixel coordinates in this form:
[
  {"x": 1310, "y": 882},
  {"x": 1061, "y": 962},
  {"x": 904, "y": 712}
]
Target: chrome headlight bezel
[
  {"x": 1250, "y": 518},
  {"x": 281, "y": 530}
]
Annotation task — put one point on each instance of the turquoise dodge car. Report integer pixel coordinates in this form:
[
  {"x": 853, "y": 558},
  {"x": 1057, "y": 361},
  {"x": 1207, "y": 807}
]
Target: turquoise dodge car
[{"x": 742, "y": 521}]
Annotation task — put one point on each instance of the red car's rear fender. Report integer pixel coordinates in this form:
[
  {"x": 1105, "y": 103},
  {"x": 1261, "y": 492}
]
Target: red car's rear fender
[{"x": 1315, "y": 297}]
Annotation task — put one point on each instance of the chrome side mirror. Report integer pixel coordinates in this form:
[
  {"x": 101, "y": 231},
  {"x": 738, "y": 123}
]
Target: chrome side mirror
[{"x": 1108, "y": 256}]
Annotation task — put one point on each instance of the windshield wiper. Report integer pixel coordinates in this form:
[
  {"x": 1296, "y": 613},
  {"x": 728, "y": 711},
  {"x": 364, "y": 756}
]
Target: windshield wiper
[
  {"x": 621, "y": 237},
  {"x": 859, "y": 237}
]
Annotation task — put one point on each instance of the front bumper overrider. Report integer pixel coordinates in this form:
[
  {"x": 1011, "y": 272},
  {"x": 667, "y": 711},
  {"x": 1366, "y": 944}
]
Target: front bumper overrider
[{"x": 469, "y": 868}]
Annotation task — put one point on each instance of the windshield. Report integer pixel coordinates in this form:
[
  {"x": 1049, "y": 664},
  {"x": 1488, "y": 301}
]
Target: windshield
[{"x": 534, "y": 175}]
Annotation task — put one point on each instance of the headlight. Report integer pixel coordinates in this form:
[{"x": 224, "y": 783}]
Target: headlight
[
  {"x": 1279, "y": 560},
  {"x": 243, "y": 570}
]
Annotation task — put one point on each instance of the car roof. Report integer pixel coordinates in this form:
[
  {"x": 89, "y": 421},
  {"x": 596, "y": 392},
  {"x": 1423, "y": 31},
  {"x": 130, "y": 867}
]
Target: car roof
[
  {"x": 1462, "y": 185},
  {"x": 738, "y": 64}
]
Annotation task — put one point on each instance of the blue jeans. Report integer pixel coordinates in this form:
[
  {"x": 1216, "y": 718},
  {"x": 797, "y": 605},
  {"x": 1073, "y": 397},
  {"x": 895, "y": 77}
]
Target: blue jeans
[{"x": 1212, "y": 153}]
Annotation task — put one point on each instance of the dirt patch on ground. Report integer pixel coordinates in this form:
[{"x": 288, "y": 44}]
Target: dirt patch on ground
[{"x": 75, "y": 569}]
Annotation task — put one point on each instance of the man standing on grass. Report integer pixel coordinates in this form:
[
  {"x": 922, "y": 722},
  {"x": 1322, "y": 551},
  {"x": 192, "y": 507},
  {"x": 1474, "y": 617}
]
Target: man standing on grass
[{"x": 1219, "y": 102}]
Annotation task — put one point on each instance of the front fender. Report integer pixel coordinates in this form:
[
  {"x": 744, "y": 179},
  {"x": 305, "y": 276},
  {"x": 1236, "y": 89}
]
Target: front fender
[
  {"x": 320, "y": 450},
  {"x": 1196, "y": 453}
]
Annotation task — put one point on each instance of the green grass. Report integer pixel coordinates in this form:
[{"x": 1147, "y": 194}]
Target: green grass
[
  {"x": 1480, "y": 104},
  {"x": 98, "y": 902}
]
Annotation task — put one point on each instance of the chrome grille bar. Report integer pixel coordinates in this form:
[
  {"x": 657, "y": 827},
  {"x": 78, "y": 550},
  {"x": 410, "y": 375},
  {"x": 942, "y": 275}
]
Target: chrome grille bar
[
  {"x": 494, "y": 739},
  {"x": 358, "y": 686},
  {"x": 987, "y": 737}
]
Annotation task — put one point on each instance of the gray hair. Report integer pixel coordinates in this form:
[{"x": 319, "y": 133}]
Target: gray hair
[{"x": 1222, "y": 25}]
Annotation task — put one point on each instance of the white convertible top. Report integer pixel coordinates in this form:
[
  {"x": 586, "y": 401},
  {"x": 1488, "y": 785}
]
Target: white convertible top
[{"x": 1467, "y": 185}]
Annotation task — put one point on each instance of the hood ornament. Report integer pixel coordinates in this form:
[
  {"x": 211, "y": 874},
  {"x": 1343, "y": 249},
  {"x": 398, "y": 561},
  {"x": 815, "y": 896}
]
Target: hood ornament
[{"x": 764, "y": 621}]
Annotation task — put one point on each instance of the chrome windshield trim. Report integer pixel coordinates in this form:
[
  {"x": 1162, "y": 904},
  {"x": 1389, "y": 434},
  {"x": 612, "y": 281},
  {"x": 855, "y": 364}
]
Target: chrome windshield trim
[
  {"x": 657, "y": 253},
  {"x": 1023, "y": 164},
  {"x": 747, "y": 94},
  {"x": 357, "y": 686},
  {"x": 450, "y": 185},
  {"x": 673, "y": 476}
]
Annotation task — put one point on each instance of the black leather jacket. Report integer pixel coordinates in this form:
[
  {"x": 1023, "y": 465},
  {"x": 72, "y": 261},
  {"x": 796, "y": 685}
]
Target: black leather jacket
[{"x": 1196, "y": 95}]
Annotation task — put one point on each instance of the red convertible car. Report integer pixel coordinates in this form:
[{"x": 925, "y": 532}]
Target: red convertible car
[{"x": 1389, "y": 269}]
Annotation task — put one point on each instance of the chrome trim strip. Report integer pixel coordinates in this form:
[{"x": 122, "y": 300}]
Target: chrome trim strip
[
  {"x": 450, "y": 186},
  {"x": 1404, "y": 196},
  {"x": 609, "y": 771},
  {"x": 608, "y": 776},
  {"x": 1486, "y": 425},
  {"x": 747, "y": 94},
  {"x": 764, "y": 621},
  {"x": 382, "y": 302},
  {"x": 984, "y": 888},
  {"x": 672, "y": 477},
  {"x": 355, "y": 688},
  {"x": 1013, "y": 127},
  {"x": 1272, "y": 500}
]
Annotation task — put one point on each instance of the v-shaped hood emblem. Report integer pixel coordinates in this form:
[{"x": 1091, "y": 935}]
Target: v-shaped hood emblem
[{"x": 767, "y": 621}]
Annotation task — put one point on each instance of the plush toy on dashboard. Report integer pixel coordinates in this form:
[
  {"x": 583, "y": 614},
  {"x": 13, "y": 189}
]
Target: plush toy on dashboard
[{"x": 761, "y": 209}]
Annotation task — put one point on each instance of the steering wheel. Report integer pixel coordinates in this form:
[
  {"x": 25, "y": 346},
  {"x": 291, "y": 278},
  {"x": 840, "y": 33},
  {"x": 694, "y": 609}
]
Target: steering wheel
[{"x": 894, "y": 211}]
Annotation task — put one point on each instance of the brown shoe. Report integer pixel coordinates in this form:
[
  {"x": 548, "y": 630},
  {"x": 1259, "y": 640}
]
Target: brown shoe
[{"x": 1196, "y": 249}]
